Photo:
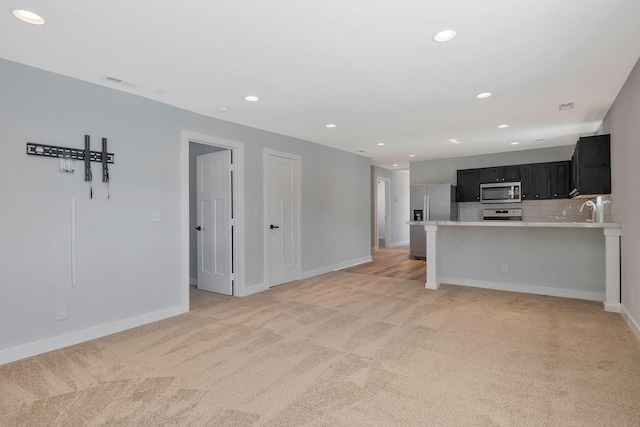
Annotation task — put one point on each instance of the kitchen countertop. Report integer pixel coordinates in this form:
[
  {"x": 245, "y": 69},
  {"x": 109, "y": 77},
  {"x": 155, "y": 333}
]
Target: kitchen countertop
[{"x": 520, "y": 224}]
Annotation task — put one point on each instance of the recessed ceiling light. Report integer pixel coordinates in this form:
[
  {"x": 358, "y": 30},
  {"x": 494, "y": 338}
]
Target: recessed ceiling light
[
  {"x": 539, "y": 141},
  {"x": 251, "y": 98},
  {"x": 330, "y": 125},
  {"x": 395, "y": 165},
  {"x": 412, "y": 155},
  {"x": 223, "y": 109},
  {"x": 515, "y": 143},
  {"x": 453, "y": 140},
  {"x": 380, "y": 143},
  {"x": 444, "y": 36},
  {"x": 483, "y": 95},
  {"x": 28, "y": 17},
  {"x": 503, "y": 126}
]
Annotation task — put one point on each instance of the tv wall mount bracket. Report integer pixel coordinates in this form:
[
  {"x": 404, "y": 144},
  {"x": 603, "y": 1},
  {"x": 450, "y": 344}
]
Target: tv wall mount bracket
[{"x": 85, "y": 155}]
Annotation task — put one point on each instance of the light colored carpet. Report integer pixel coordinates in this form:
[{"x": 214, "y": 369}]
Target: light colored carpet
[{"x": 347, "y": 350}]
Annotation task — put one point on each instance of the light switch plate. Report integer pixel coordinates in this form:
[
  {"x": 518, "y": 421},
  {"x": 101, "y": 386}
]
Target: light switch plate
[
  {"x": 156, "y": 215},
  {"x": 61, "y": 312}
]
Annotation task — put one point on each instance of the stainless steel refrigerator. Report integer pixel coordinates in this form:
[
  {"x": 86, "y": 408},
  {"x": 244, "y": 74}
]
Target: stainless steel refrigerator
[{"x": 429, "y": 202}]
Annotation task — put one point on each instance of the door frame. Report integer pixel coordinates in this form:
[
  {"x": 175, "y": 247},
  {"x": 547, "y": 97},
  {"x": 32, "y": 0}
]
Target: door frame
[
  {"x": 387, "y": 212},
  {"x": 238, "y": 195},
  {"x": 265, "y": 209}
]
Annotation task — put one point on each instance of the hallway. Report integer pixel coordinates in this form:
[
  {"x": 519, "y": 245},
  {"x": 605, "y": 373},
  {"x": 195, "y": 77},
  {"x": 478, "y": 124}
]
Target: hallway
[{"x": 392, "y": 262}]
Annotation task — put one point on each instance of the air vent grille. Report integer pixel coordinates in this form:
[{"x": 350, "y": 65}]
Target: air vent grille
[
  {"x": 566, "y": 106},
  {"x": 121, "y": 82}
]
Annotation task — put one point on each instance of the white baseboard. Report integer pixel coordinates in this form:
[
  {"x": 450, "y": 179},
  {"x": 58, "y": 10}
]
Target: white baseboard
[
  {"x": 633, "y": 325},
  {"x": 250, "y": 290},
  {"x": 347, "y": 264},
  {"x": 395, "y": 245},
  {"x": 61, "y": 341},
  {"x": 305, "y": 275},
  {"x": 432, "y": 286},
  {"x": 526, "y": 289},
  {"x": 612, "y": 308}
]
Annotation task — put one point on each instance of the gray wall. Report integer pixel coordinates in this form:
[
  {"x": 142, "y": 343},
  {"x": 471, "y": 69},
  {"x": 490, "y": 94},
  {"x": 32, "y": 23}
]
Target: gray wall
[
  {"x": 444, "y": 171},
  {"x": 399, "y": 204},
  {"x": 129, "y": 267},
  {"x": 623, "y": 125}
]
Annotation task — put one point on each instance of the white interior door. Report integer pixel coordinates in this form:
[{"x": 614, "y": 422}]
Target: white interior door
[
  {"x": 382, "y": 217},
  {"x": 382, "y": 214},
  {"x": 214, "y": 222},
  {"x": 283, "y": 246}
]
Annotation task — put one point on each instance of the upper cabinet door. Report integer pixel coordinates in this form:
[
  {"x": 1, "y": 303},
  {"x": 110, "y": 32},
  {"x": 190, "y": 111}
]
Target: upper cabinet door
[
  {"x": 542, "y": 185},
  {"x": 559, "y": 177},
  {"x": 511, "y": 173},
  {"x": 592, "y": 160},
  {"x": 500, "y": 174},
  {"x": 468, "y": 189},
  {"x": 488, "y": 175},
  {"x": 528, "y": 187}
]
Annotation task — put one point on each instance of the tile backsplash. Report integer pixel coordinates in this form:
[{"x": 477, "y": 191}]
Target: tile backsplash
[{"x": 556, "y": 210}]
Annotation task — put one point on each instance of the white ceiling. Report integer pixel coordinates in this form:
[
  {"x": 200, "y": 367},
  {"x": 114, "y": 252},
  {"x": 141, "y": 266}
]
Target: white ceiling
[{"x": 369, "y": 66}]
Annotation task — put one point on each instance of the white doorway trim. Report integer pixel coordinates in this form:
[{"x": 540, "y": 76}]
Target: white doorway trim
[
  {"x": 239, "y": 253},
  {"x": 265, "y": 209},
  {"x": 387, "y": 213}
]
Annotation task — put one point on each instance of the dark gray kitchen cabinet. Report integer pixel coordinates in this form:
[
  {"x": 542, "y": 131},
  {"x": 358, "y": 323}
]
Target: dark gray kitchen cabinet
[
  {"x": 510, "y": 173},
  {"x": 560, "y": 179},
  {"x": 468, "y": 189},
  {"x": 500, "y": 174},
  {"x": 488, "y": 175},
  {"x": 526, "y": 178},
  {"x": 542, "y": 185},
  {"x": 551, "y": 180},
  {"x": 546, "y": 180},
  {"x": 591, "y": 166}
]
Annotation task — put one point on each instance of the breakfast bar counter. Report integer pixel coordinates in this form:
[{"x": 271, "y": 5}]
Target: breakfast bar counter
[{"x": 566, "y": 259}]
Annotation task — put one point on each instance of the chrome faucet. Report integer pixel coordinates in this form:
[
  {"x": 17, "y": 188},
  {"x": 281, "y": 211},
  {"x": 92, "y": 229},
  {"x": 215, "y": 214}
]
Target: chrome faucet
[
  {"x": 600, "y": 208},
  {"x": 592, "y": 206}
]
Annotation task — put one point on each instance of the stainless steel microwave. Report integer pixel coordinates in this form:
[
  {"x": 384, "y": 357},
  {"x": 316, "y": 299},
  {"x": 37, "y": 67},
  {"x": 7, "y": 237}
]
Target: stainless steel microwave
[{"x": 501, "y": 192}]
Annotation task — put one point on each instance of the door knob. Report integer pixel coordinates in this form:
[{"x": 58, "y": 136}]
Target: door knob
[
  {"x": 198, "y": 228},
  {"x": 274, "y": 226}
]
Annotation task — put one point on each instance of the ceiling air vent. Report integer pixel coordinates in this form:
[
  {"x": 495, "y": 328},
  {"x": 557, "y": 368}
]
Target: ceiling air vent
[
  {"x": 565, "y": 106},
  {"x": 121, "y": 82}
]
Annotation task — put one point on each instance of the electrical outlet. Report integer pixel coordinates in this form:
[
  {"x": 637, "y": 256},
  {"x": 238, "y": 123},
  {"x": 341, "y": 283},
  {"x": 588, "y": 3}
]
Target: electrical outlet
[
  {"x": 505, "y": 268},
  {"x": 257, "y": 271},
  {"x": 61, "y": 312},
  {"x": 156, "y": 215},
  {"x": 345, "y": 252}
]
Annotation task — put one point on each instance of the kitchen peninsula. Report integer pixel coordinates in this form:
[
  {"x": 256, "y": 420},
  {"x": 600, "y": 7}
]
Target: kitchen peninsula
[{"x": 574, "y": 260}]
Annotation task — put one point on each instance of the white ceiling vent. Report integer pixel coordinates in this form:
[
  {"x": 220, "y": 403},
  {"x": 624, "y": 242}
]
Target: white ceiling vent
[
  {"x": 121, "y": 82},
  {"x": 566, "y": 106}
]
